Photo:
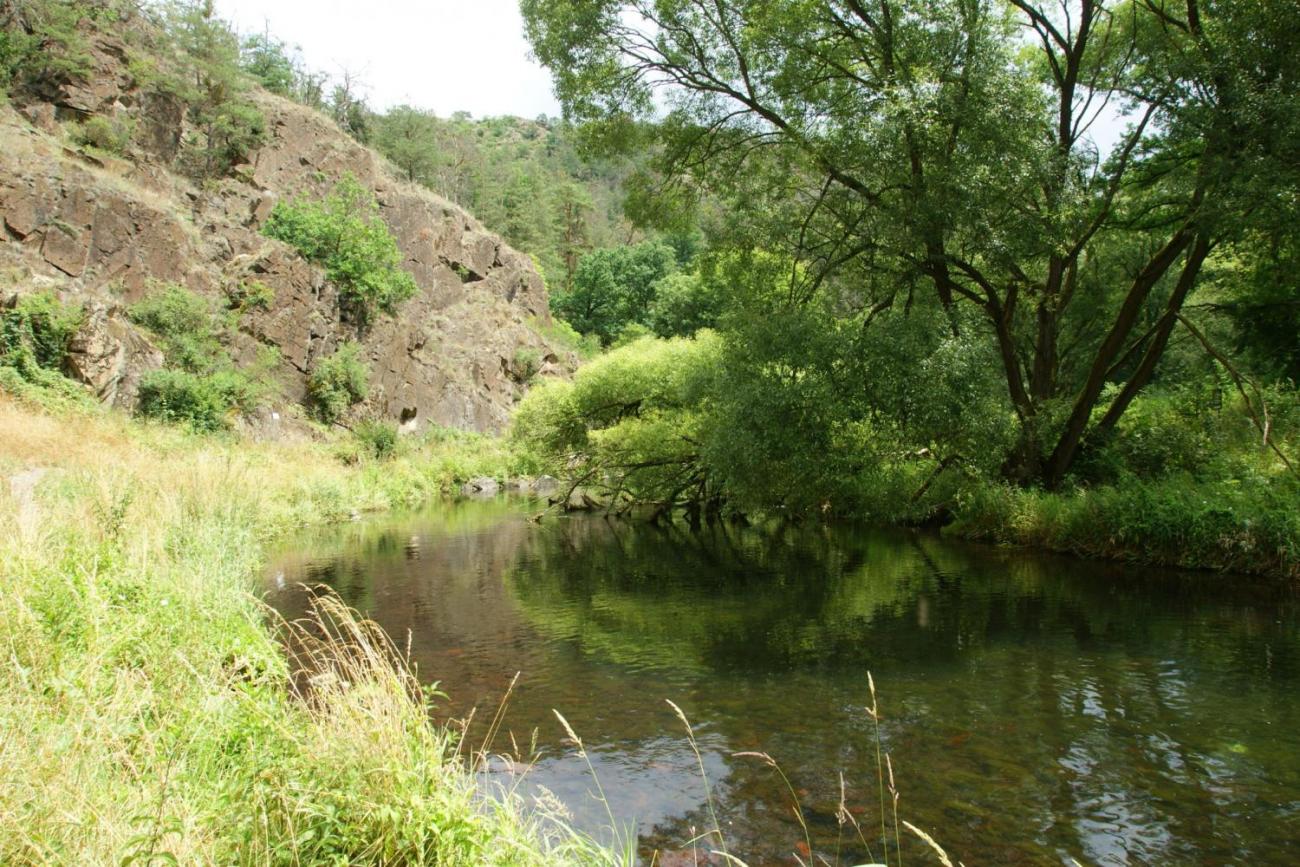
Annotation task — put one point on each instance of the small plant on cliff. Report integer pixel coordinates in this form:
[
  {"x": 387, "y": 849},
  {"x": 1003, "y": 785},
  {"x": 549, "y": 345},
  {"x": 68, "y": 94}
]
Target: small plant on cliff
[
  {"x": 249, "y": 295},
  {"x": 526, "y": 364},
  {"x": 185, "y": 325},
  {"x": 36, "y": 332},
  {"x": 345, "y": 234},
  {"x": 339, "y": 381},
  {"x": 111, "y": 135}
]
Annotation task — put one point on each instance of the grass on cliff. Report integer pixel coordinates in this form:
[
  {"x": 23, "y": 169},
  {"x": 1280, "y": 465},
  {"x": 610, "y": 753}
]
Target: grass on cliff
[{"x": 149, "y": 715}]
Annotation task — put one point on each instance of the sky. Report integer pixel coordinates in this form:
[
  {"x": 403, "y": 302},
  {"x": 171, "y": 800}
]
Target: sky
[{"x": 444, "y": 55}]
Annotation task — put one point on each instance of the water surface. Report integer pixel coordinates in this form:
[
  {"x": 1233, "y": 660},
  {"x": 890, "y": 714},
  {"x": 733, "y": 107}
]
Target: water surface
[{"x": 1036, "y": 708}]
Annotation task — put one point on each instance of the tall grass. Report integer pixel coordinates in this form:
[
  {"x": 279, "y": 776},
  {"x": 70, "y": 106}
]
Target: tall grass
[
  {"x": 152, "y": 716},
  {"x": 1231, "y": 525},
  {"x": 156, "y": 712}
]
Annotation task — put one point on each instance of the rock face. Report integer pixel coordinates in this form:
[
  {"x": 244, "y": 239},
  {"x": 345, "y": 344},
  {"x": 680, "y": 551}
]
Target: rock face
[
  {"x": 110, "y": 356},
  {"x": 103, "y": 231}
]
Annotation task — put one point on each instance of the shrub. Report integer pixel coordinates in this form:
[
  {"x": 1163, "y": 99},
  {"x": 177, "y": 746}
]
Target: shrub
[
  {"x": 339, "y": 381},
  {"x": 632, "y": 420},
  {"x": 185, "y": 325},
  {"x": 203, "y": 401},
  {"x": 111, "y": 135},
  {"x": 561, "y": 333},
  {"x": 36, "y": 332},
  {"x": 377, "y": 437},
  {"x": 345, "y": 234},
  {"x": 526, "y": 363},
  {"x": 1249, "y": 527},
  {"x": 248, "y": 295},
  {"x": 34, "y": 339}
]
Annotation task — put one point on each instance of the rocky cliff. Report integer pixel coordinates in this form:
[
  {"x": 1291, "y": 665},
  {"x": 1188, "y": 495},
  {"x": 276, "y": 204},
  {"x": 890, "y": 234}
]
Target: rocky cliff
[{"x": 105, "y": 230}]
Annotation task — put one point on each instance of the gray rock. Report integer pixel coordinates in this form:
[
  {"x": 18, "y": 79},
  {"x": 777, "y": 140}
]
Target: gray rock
[
  {"x": 481, "y": 487},
  {"x": 546, "y": 485}
]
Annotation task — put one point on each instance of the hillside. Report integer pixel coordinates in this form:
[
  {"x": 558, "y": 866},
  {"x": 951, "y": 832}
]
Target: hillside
[{"x": 104, "y": 203}]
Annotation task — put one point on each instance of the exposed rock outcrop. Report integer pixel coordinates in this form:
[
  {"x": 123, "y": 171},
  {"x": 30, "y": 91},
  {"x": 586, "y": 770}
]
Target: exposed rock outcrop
[{"x": 103, "y": 231}]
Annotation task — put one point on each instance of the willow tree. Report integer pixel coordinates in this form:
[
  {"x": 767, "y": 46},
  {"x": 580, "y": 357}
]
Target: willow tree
[{"x": 952, "y": 145}]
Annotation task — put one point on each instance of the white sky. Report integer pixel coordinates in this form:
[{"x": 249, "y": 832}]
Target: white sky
[{"x": 445, "y": 55}]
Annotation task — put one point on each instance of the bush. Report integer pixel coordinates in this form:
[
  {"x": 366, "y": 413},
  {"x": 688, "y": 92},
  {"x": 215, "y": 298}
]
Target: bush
[
  {"x": 377, "y": 437},
  {"x": 37, "y": 331},
  {"x": 339, "y": 381},
  {"x": 203, "y": 401},
  {"x": 526, "y": 363},
  {"x": 185, "y": 325},
  {"x": 345, "y": 234},
  {"x": 112, "y": 135},
  {"x": 564, "y": 335},
  {"x": 248, "y": 295},
  {"x": 1248, "y": 526},
  {"x": 631, "y": 420}
]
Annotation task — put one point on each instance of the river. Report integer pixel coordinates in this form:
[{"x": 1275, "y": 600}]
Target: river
[{"x": 1035, "y": 708}]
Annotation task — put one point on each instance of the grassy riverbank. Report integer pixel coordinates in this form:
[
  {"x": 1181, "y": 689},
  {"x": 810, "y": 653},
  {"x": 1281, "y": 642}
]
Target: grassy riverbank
[{"x": 147, "y": 714}]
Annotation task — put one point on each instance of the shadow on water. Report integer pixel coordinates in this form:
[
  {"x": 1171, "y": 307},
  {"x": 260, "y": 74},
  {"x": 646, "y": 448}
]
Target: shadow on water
[{"x": 1036, "y": 708}]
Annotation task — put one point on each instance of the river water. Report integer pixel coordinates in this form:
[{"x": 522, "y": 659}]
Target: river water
[{"x": 1036, "y": 709}]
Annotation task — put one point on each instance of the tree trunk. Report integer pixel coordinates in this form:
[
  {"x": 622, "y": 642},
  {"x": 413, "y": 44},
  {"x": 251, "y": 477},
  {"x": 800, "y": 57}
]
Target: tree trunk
[{"x": 1067, "y": 446}]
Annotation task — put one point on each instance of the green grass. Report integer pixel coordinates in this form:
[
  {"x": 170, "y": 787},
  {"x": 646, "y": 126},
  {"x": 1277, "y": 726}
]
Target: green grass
[
  {"x": 149, "y": 712},
  {"x": 1227, "y": 525}
]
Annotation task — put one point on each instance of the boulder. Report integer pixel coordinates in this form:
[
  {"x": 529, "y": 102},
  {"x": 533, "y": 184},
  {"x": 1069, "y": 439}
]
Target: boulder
[{"x": 481, "y": 487}]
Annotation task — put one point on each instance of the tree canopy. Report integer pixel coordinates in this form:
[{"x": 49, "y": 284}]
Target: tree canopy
[{"x": 952, "y": 154}]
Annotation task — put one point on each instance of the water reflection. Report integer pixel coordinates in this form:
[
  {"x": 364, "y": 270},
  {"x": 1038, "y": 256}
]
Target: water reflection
[{"x": 1037, "y": 709}]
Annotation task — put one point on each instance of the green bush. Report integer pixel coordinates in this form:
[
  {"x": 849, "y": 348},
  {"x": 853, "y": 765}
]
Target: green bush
[
  {"x": 564, "y": 335},
  {"x": 249, "y": 295},
  {"x": 1249, "y": 526},
  {"x": 112, "y": 135},
  {"x": 185, "y": 324},
  {"x": 526, "y": 363},
  {"x": 34, "y": 338},
  {"x": 632, "y": 420},
  {"x": 37, "y": 331},
  {"x": 339, "y": 381},
  {"x": 345, "y": 234},
  {"x": 377, "y": 437},
  {"x": 203, "y": 401}
]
